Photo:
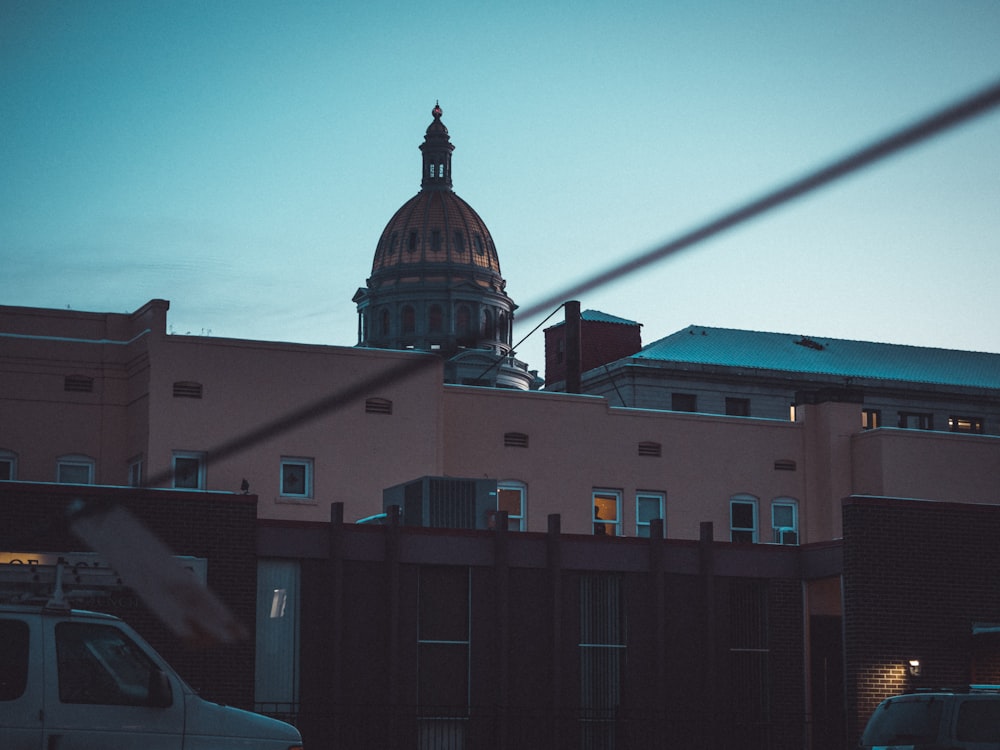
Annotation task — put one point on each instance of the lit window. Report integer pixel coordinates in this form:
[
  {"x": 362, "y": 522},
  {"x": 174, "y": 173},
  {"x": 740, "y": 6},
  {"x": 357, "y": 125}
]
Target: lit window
[
  {"x": 648, "y": 505},
  {"x": 871, "y": 419},
  {"x": 966, "y": 424},
  {"x": 607, "y": 518},
  {"x": 743, "y": 519},
  {"x": 75, "y": 470},
  {"x": 510, "y": 497},
  {"x": 189, "y": 470},
  {"x": 296, "y": 477},
  {"x": 785, "y": 521}
]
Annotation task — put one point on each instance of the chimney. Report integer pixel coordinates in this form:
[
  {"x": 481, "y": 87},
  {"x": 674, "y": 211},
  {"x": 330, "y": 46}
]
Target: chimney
[{"x": 573, "y": 357}]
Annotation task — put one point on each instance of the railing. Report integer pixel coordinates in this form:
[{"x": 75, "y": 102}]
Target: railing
[{"x": 360, "y": 727}]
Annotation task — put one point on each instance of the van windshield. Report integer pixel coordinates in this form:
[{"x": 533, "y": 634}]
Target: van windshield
[{"x": 904, "y": 722}]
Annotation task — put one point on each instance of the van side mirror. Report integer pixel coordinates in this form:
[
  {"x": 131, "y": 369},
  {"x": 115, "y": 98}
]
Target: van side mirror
[{"x": 160, "y": 694}]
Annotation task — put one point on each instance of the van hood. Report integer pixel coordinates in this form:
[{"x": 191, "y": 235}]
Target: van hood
[{"x": 212, "y": 720}]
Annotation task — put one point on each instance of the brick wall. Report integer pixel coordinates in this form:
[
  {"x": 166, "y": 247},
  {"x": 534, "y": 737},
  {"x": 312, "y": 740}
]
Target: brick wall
[{"x": 917, "y": 575}]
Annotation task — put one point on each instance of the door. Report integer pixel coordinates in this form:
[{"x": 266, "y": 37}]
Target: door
[
  {"x": 20, "y": 686},
  {"x": 104, "y": 691}
]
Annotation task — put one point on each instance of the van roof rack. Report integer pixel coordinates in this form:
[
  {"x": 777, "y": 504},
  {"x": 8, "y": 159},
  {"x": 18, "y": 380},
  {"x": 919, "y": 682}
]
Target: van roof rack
[{"x": 55, "y": 580}]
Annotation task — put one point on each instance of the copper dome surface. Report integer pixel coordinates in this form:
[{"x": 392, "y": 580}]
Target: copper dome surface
[{"x": 436, "y": 233}]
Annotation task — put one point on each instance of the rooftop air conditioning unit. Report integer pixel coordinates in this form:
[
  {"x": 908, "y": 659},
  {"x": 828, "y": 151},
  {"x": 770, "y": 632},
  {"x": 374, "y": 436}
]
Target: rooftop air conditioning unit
[{"x": 444, "y": 502}]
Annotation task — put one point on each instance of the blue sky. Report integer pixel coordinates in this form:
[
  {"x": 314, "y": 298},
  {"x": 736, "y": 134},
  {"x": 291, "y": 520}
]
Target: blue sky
[{"x": 241, "y": 158}]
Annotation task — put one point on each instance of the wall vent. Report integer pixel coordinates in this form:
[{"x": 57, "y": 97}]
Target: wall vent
[
  {"x": 784, "y": 464},
  {"x": 78, "y": 384},
  {"x": 650, "y": 448},
  {"x": 187, "y": 389},
  {"x": 378, "y": 406},
  {"x": 515, "y": 440}
]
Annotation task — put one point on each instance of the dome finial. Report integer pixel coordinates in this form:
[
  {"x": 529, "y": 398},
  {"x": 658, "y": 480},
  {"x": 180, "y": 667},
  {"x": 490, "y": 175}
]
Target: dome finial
[{"x": 437, "y": 112}]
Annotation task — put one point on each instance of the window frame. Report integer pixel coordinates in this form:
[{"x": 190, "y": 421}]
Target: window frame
[
  {"x": 925, "y": 420},
  {"x": 606, "y": 495},
  {"x": 871, "y": 419},
  {"x": 9, "y": 458},
  {"x": 202, "y": 472},
  {"x": 974, "y": 424},
  {"x": 308, "y": 469},
  {"x": 753, "y": 502},
  {"x": 785, "y": 502},
  {"x": 76, "y": 461},
  {"x": 642, "y": 528},
  {"x": 515, "y": 522},
  {"x": 135, "y": 472}
]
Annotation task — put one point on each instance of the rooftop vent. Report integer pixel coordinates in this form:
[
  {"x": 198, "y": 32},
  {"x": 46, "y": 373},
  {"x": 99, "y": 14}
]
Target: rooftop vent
[
  {"x": 78, "y": 384},
  {"x": 515, "y": 440},
  {"x": 784, "y": 464},
  {"x": 378, "y": 406},
  {"x": 650, "y": 448},
  {"x": 187, "y": 389},
  {"x": 810, "y": 344}
]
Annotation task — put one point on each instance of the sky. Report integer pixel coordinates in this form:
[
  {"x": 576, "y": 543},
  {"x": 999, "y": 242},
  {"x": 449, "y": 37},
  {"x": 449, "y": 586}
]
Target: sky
[{"x": 241, "y": 158}]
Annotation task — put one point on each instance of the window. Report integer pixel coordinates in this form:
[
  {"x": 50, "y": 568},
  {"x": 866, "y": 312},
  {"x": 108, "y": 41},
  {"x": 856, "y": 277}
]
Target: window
[
  {"x": 916, "y": 420},
  {"x": 602, "y": 658},
  {"x": 383, "y": 322},
  {"x": 435, "y": 319},
  {"x": 189, "y": 470},
  {"x": 297, "y": 477},
  {"x": 510, "y": 497},
  {"x": 100, "y": 665},
  {"x": 13, "y": 659},
  {"x": 459, "y": 242},
  {"x": 75, "y": 470},
  {"x": 743, "y": 519},
  {"x": 436, "y": 240},
  {"x": 443, "y": 663},
  {"x": 785, "y": 520},
  {"x": 479, "y": 244},
  {"x": 409, "y": 319},
  {"x": 607, "y": 504},
  {"x": 135, "y": 472},
  {"x": 738, "y": 407},
  {"x": 870, "y": 419},
  {"x": 8, "y": 466},
  {"x": 966, "y": 424},
  {"x": 412, "y": 245},
  {"x": 463, "y": 320},
  {"x": 649, "y": 505},
  {"x": 683, "y": 402}
]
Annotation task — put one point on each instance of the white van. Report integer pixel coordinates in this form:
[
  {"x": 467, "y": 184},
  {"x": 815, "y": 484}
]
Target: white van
[
  {"x": 77, "y": 680},
  {"x": 936, "y": 719}
]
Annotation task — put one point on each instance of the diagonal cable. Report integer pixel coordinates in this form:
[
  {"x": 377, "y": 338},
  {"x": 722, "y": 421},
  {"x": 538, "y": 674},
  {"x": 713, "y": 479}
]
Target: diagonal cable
[{"x": 927, "y": 127}]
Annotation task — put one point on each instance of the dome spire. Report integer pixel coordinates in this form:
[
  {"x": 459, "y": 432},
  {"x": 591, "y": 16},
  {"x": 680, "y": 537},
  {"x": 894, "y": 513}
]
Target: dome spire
[{"x": 436, "y": 150}]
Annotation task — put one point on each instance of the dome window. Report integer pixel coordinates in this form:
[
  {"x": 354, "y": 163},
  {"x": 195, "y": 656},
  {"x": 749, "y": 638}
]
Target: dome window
[
  {"x": 435, "y": 319},
  {"x": 436, "y": 240},
  {"x": 459, "y": 242},
  {"x": 412, "y": 246},
  {"x": 409, "y": 320},
  {"x": 479, "y": 244}
]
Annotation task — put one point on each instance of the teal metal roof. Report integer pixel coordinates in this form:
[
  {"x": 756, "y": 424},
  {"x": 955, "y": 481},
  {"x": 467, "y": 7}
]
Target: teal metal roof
[
  {"x": 601, "y": 317},
  {"x": 842, "y": 358}
]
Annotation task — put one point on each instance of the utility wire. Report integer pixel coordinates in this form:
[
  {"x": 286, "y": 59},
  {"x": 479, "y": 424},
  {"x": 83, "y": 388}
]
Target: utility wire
[
  {"x": 921, "y": 130},
  {"x": 937, "y": 122}
]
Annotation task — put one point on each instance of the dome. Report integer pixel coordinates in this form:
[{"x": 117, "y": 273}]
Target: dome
[
  {"x": 435, "y": 283},
  {"x": 435, "y": 233}
]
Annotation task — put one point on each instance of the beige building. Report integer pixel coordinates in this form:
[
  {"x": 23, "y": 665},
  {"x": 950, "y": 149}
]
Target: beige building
[{"x": 112, "y": 399}]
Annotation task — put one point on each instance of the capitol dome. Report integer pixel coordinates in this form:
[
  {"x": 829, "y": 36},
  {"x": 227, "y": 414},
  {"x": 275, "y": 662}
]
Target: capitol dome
[{"x": 435, "y": 283}]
